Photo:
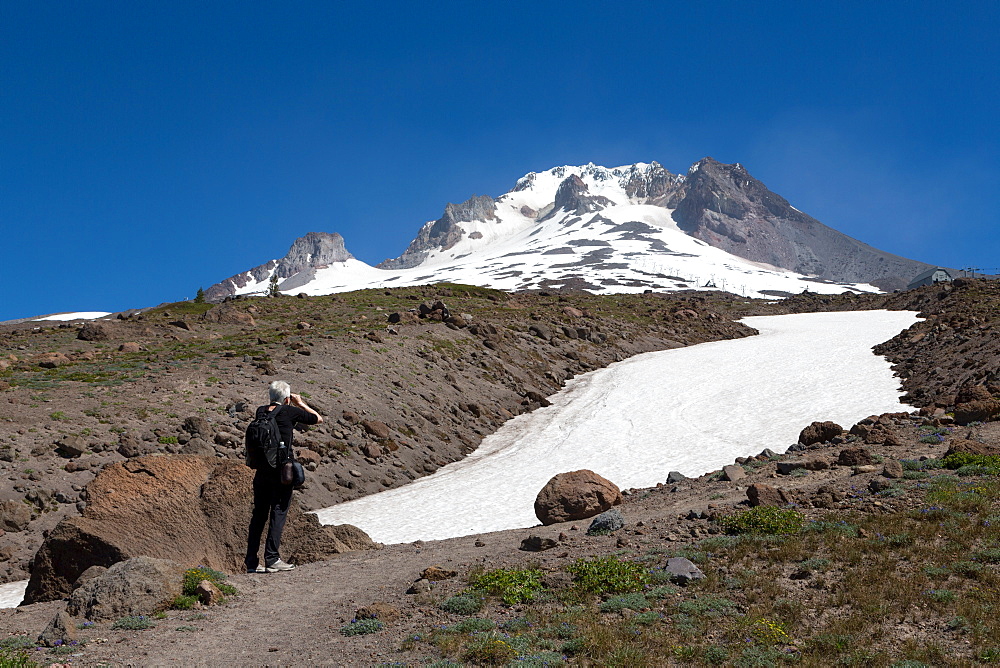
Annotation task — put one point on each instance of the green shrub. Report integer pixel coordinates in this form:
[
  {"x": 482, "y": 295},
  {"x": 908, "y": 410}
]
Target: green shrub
[
  {"x": 17, "y": 642},
  {"x": 764, "y": 520},
  {"x": 608, "y": 575},
  {"x": 359, "y": 627},
  {"x": 958, "y": 460},
  {"x": 193, "y": 576},
  {"x": 707, "y": 606},
  {"x": 489, "y": 651},
  {"x": 463, "y": 604},
  {"x": 133, "y": 623},
  {"x": 511, "y": 585},
  {"x": 541, "y": 660},
  {"x": 633, "y": 601},
  {"x": 474, "y": 624},
  {"x": 183, "y": 602},
  {"x": 168, "y": 440}
]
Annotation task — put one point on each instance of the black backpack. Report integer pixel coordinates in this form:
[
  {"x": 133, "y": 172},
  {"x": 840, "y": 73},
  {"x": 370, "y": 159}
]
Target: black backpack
[{"x": 263, "y": 440}]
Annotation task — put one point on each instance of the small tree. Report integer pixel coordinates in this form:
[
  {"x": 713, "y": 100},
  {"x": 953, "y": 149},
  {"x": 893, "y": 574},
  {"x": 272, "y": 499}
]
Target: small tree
[
  {"x": 199, "y": 298},
  {"x": 272, "y": 289}
]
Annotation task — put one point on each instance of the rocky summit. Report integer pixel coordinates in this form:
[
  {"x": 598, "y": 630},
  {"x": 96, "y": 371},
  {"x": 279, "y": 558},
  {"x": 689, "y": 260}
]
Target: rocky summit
[{"x": 606, "y": 230}]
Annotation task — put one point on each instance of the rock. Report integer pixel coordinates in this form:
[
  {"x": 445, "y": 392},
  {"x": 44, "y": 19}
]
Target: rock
[
  {"x": 675, "y": 477},
  {"x": 784, "y": 468},
  {"x": 94, "y": 331},
  {"x": 892, "y": 469},
  {"x": 421, "y": 586},
  {"x": 194, "y": 510},
  {"x": 376, "y": 428},
  {"x": 540, "y": 331},
  {"x": 306, "y": 456},
  {"x": 180, "y": 324},
  {"x": 759, "y": 494},
  {"x": 199, "y": 447},
  {"x": 820, "y": 432},
  {"x": 14, "y": 515},
  {"x": 303, "y": 325},
  {"x": 71, "y": 446},
  {"x": 854, "y": 457},
  {"x": 137, "y": 586},
  {"x": 977, "y": 411},
  {"x": 865, "y": 468},
  {"x": 682, "y": 571},
  {"x": 198, "y": 426},
  {"x": 607, "y": 522},
  {"x": 383, "y": 612},
  {"x": 969, "y": 393},
  {"x": 129, "y": 446},
  {"x": 130, "y": 347},
  {"x": 227, "y": 314},
  {"x": 60, "y": 631},
  {"x": 88, "y": 575},
  {"x": 575, "y": 495},
  {"x": 538, "y": 544},
  {"x": 963, "y": 445},
  {"x": 208, "y": 593},
  {"x": 50, "y": 360},
  {"x": 816, "y": 465},
  {"x": 732, "y": 473},
  {"x": 436, "y": 574},
  {"x": 876, "y": 485}
]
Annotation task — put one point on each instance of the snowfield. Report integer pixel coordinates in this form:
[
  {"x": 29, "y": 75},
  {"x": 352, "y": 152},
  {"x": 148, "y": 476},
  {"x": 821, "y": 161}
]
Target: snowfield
[
  {"x": 79, "y": 315},
  {"x": 691, "y": 410}
]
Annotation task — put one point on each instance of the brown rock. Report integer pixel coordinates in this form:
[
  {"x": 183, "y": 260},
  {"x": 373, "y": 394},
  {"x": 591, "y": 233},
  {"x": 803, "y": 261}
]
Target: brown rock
[
  {"x": 820, "y": 432},
  {"x": 199, "y": 426},
  {"x": 959, "y": 445},
  {"x": 95, "y": 331},
  {"x": 892, "y": 469},
  {"x": 71, "y": 446},
  {"x": 855, "y": 457},
  {"x": 14, "y": 515},
  {"x": 381, "y": 611},
  {"x": 977, "y": 411},
  {"x": 50, "y": 360},
  {"x": 193, "y": 510},
  {"x": 208, "y": 593},
  {"x": 538, "y": 544},
  {"x": 732, "y": 473},
  {"x": 759, "y": 494},
  {"x": 351, "y": 417},
  {"x": 60, "y": 631},
  {"x": 376, "y": 428},
  {"x": 129, "y": 347},
  {"x": 134, "y": 586},
  {"x": 227, "y": 314},
  {"x": 306, "y": 456},
  {"x": 575, "y": 495},
  {"x": 436, "y": 574},
  {"x": 969, "y": 393}
]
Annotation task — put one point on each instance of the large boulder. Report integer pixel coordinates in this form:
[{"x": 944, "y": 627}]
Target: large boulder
[
  {"x": 963, "y": 445},
  {"x": 759, "y": 494},
  {"x": 575, "y": 495},
  {"x": 188, "y": 509},
  {"x": 14, "y": 515},
  {"x": 137, "y": 586},
  {"x": 820, "y": 432},
  {"x": 977, "y": 411}
]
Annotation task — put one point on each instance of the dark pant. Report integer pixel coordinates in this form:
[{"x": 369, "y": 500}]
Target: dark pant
[{"x": 270, "y": 501}]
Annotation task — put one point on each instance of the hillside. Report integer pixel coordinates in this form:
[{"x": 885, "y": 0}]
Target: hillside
[{"x": 809, "y": 598}]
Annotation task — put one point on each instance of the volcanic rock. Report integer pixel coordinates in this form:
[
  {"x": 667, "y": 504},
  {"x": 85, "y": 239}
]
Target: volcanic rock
[
  {"x": 575, "y": 495},
  {"x": 820, "y": 432},
  {"x": 759, "y": 494},
  {"x": 192, "y": 510},
  {"x": 137, "y": 586},
  {"x": 977, "y": 411},
  {"x": 855, "y": 457}
]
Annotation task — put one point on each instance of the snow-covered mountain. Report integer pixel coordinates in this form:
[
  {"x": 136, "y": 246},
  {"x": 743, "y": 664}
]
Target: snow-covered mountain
[{"x": 626, "y": 229}]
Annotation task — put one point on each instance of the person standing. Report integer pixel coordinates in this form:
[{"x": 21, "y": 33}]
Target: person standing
[{"x": 270, "y": 497}]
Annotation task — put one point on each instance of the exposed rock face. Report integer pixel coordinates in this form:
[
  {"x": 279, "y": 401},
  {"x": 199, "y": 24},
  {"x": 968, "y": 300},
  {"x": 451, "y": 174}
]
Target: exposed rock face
[
  {"x": 136, "y": 586},
  {"x": 573, "y": 196},
  {"x": 575, "y": 495},
  {"x": 759, "y": 494},
  {"x": 726, "y": 207},
  {"x": 444, "y": 232},
  {"x": 314, "y": 250},
  {"x": 188, "y": 509}
]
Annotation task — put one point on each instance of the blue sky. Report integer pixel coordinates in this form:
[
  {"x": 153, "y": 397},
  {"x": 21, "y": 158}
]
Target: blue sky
[{"x": 147, "y": 149}]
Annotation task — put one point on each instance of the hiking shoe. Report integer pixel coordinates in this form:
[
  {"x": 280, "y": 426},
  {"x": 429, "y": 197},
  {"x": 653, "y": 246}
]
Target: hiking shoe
[
  {"x": 279, "y": 566},
  {"x": 257, "y": 569}
]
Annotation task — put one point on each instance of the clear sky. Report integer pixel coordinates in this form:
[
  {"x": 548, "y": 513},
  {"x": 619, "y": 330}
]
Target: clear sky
[{"x": 149, "y": 148}]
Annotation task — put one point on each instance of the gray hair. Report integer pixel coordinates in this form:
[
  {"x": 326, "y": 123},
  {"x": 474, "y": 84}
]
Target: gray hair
[{"x": 278, "y": 391}]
